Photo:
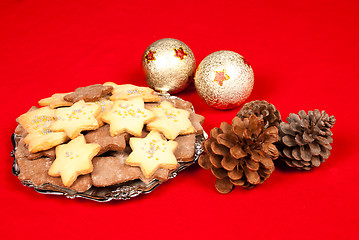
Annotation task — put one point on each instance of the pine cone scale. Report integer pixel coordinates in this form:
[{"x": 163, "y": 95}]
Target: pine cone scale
[
  {"x": 267, "y": 162},
  {"x": 219, "y": 149},
  {"x": 237, "y": 152},
  {"x": 219, "y": 173},
  {"x": 229, "y": 162},
  {"x": 315, "y": 148},
  {"x": 223, "y": 186},
  {"x": 252, "y": 165},
  {"x": 215, "y": 160},
  {"x": 252, "y": 176},
  {"x": 204, "y": 162},
  {"x": 226, "y": 140},
  {"x": 305, "y": 153},
  {"x": 289, "y": 141},
  {"x": 239, "y": 182},
  {"x": 235, "y": 174}
]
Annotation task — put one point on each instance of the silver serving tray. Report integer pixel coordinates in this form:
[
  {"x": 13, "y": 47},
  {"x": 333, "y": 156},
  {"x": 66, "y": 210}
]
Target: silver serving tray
[{"x": 122, "y": 191}]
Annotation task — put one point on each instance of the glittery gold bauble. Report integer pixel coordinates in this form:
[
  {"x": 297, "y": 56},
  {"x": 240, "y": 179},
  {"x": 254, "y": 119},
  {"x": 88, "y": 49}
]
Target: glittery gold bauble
[
  {"x": 224, "y": 79},
  {"x": 169, "y": 65}
]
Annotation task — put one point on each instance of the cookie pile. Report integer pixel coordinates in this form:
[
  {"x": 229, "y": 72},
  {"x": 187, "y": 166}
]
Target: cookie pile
[{"x": 105, "y": 135}]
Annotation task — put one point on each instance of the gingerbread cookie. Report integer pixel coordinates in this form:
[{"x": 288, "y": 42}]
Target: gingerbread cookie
[
  {"x": 73, "y": 159},
  {"x": 151, "y": 153},
  {"x": 103, "y": 137},
  {"x": 185, "y": 149},
  {"x": 88, "y": 94},
  {"x": 112, "y": 170},
  {"x": 22, "y": 151},
  {"x": 36, "y": 171}
]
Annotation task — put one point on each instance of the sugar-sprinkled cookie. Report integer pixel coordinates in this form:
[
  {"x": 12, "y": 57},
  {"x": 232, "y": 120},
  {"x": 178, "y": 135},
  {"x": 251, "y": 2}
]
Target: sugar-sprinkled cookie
[
  {"x": 151, "y": 153},
  {"x": 55, "y": 101},
  {"x": 88, "y": 94},
  {"x": 128, "y": 91},
  {"x": 103, "y": 137},
  {"x": 170, "y": 121},
  {"x": 127, "y": 116},
  {"x": 79, "y": 117},
  {"x": 37, "y": 124},
  {"x": 105, "y": 106},
  {"x": 73, "y": 159}
]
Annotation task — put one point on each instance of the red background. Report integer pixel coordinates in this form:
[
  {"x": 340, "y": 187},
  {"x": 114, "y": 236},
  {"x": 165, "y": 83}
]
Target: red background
[{"x": 304, "y": 55}]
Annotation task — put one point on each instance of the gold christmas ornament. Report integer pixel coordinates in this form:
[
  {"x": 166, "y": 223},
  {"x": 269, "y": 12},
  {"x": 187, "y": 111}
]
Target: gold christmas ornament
[
  {"x": 169, "y": 65},
  {"x": 224, "y": 79}
]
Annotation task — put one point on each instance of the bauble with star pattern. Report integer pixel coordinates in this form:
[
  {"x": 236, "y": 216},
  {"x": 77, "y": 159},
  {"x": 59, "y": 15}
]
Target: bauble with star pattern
[
  {"x": 224, "y": 79},
  {"x": 169, "y": 65}
]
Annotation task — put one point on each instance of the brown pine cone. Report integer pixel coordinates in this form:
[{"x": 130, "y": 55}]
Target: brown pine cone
[
  {"x": 267, "y": 111},
  {"x": 304, "y": 142},
  {"x": 240, "y": 154}
]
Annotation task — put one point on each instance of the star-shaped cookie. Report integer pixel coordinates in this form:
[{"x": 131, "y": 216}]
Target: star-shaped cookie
[
  {"x": 128, "y": 91},
  {"x": 37, "y": 124},
  {"x": 73, "y": 159},
  {"x": 55, "y": 101},
  {"x": 79, "y": 117},
  {"x": 151, "y": 153},
  {"x": 170, "y": 121},
  {"x": 127, "y": 116}
]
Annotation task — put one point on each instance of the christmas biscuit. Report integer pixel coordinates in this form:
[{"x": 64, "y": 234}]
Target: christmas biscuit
[
  {"x": 151, "y": 153},
  {"x": 112, "y": 170},
  {"x": 73, "y": 159},
  {"x": 127, "y": 116},
  {"x": 103, "y": 137},
  {"x": 88, "y": 94},
  {"x": 79, "y": 117},
  {"x": 55, "y": 101},
  {"x": 170, "y": 121},
  {"x": 36, "y": 171},
  {"x": 37, "y": 124},
  {"x": 185, "y": 149},
  {"x": 105, "y": 106},
  {"x": 128, "y": 91},
  {"x": 22, "y": 151}
]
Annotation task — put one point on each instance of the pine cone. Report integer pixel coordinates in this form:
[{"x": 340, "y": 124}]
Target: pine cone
[
  {"x": 267, "y": 111},
  {"x": 240, "y": 154},
  {"x": 305, "y": 140}
]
